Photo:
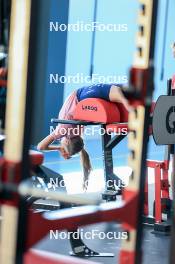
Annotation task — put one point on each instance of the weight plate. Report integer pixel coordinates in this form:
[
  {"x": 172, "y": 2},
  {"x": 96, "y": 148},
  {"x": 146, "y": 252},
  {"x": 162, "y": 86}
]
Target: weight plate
[{"x": 164, "y": 120}]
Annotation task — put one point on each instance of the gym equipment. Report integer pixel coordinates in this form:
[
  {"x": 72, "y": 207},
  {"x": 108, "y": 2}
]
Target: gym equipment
[
  {"x": 24, "y": 233},
  {"x": 162, "y": 202},
  {"x": 40, "y": 177},
  {"x": 163, "y": 135},
  {"x": 99, "y": 110},
  {"x": 164, "y": 120},
  {"x": 113, "y": 118}
]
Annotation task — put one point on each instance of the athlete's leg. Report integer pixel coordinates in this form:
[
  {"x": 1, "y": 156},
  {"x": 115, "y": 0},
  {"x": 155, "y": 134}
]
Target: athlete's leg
[{"x": 116, "y": 96}]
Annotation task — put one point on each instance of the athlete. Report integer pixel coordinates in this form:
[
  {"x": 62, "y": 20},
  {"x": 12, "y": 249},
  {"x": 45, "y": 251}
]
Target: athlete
[{"x": 71, "y": 142}]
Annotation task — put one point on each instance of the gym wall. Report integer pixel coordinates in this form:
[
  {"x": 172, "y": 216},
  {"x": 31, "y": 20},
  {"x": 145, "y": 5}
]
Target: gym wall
[{"x": 49, "y": 97}]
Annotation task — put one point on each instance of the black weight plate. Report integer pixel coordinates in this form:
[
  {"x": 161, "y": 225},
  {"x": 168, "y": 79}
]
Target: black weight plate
[{"x": 164, "y": 120}]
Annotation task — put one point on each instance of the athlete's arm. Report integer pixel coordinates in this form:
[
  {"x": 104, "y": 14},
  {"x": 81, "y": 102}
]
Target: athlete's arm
[{"x": 45, "y": 144}]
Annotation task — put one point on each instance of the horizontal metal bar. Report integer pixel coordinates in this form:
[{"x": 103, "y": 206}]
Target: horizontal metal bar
[
  {"x": 25, "y": 189},
  {"x": 75, "y": 122},
  {"x": 83, "y": 122},
  {"x": 84, "y": 210}
]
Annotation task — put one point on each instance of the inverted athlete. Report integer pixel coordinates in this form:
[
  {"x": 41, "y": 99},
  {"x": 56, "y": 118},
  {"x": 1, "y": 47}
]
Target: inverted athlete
[{"x": 71, "y": 142}]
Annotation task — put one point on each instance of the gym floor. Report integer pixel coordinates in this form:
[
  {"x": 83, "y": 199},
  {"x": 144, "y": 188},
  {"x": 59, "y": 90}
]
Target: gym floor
[{"x": 156, "y": 248}]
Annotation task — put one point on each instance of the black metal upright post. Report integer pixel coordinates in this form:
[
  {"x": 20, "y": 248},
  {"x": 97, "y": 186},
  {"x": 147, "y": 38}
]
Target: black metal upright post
[{"x": 107, "y": 161}]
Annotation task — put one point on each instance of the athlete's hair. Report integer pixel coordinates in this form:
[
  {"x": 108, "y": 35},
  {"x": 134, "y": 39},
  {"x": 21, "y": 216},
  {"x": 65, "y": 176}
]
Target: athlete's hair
[{"x": 76, "y": 145}]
